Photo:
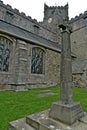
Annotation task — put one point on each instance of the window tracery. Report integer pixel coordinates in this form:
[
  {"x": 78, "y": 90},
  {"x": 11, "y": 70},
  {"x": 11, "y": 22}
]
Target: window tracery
[
  {"x": 37, "y": 60},
  {"x": 4, "y": 53}
]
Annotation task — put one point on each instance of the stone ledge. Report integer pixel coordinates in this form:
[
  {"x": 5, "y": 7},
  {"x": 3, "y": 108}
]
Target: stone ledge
[
  {"x": 42, "y": 121},
  {"x": 20, "y": 125}
]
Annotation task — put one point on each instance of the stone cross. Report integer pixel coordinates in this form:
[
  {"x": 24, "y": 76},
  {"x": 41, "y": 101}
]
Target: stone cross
[
  {"x": 66, "y": 67},
  {"x": 66, "y": 110}
]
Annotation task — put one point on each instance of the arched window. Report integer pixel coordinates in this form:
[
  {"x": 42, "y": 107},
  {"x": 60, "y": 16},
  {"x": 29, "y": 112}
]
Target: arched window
[
  {"x": 4, "y": 53},
  {"x": 37, "y": 62}
]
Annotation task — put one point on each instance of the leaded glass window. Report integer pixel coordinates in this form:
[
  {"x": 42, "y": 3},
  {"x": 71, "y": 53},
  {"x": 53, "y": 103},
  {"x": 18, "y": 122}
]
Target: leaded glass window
[
  {"x": 37, "y": 61},
  {"x": 4, "y": 53}
]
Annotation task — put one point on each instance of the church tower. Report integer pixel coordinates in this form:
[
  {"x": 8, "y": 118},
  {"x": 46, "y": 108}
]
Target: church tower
[{"x": 54, "y": 16}]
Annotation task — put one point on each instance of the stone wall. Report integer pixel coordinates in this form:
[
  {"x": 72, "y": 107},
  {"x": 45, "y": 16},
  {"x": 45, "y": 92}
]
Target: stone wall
[
  {"x": 19, "y": 76},
  {"x": 13, "y": 16},
  {"x": 80, "y": 79},
  {"x": 79, "y": 42},
  {"x": 79, "y": 36},
  {"x": 79, "y": 47},
  {"x": 50, "y": 76},
  {"x": 14, "y": 22},
  {"x": 52, "y": 68}
]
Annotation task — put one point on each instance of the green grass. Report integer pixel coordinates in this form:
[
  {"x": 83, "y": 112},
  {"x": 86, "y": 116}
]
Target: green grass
[{"x": 15, "y": 105}]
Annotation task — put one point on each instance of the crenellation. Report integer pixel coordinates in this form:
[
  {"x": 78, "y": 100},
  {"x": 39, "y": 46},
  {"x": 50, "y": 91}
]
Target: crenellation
[
  {"x": 16, "y": 11},
  {"x": 85, "y": 12},
  {"x": 29, "y": 17},
  {"x": 23, "y": 14},
  {"x": 26, "y": 22},
  {"x": 78, "y": 17},
  {"x": 53, "y": 7},
  {"x": 9, "y": 6},
  {"x": 71, "y": 19},
  {"x": 1, "y": 2}
]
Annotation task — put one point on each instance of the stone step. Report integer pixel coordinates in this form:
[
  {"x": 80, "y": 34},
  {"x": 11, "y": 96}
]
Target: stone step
[
  {"x": 20, "y": 124},
  {"x": 42, "y": 121}
]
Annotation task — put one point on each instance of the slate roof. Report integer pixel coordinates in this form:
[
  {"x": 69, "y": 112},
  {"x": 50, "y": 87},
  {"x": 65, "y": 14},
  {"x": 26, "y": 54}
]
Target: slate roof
[{"x": 79, "y": 66}]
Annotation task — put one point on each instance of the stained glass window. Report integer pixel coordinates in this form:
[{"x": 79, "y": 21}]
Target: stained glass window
[
  {"x": 37, "y": 60},
  {"x": 4, "y": 53}
]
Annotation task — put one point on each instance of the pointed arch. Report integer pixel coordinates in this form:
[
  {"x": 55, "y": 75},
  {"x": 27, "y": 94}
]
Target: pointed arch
[
  {"x": 4, "y": 52},
  {"x": 37, "y": 61}
]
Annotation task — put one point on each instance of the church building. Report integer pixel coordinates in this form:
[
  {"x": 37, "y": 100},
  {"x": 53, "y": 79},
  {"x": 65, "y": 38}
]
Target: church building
[{"x": 30, "y": 51}]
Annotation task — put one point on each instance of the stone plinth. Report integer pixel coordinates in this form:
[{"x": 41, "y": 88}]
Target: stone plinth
[
  {"x": 68, "y": 113},
  {"x": 42, "y": 121}
]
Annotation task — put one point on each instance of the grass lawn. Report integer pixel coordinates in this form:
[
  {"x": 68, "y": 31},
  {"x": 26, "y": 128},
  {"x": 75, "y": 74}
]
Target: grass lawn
[{"x": 15, "y": 105}]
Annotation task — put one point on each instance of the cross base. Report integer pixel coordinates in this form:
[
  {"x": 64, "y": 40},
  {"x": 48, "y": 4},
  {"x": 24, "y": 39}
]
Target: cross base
[{"x": 66, "y": 113}]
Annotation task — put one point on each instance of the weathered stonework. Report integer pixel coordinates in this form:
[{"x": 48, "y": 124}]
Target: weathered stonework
[
  {"x": 19, "y": 77},
  {"x": 80, "y": 73},
  {"x": 13, "y": 16},
  {"x": 79, "y": 43},
  {"x": 41, "y": 121},
  {"x": 64, "y": 112},
  {"x": 27, "y": 33}
]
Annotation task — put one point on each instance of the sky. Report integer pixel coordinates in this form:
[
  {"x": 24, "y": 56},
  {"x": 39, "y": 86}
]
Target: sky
[{"x": 35, "y": 8}]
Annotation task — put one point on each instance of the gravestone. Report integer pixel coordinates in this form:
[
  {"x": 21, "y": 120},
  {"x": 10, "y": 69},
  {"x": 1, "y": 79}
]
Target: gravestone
[{"x": 66, "y": 110}]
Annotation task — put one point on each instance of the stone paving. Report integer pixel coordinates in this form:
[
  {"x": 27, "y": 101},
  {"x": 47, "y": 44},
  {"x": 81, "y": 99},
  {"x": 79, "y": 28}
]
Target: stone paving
[{"x": 42, "y": 121}]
